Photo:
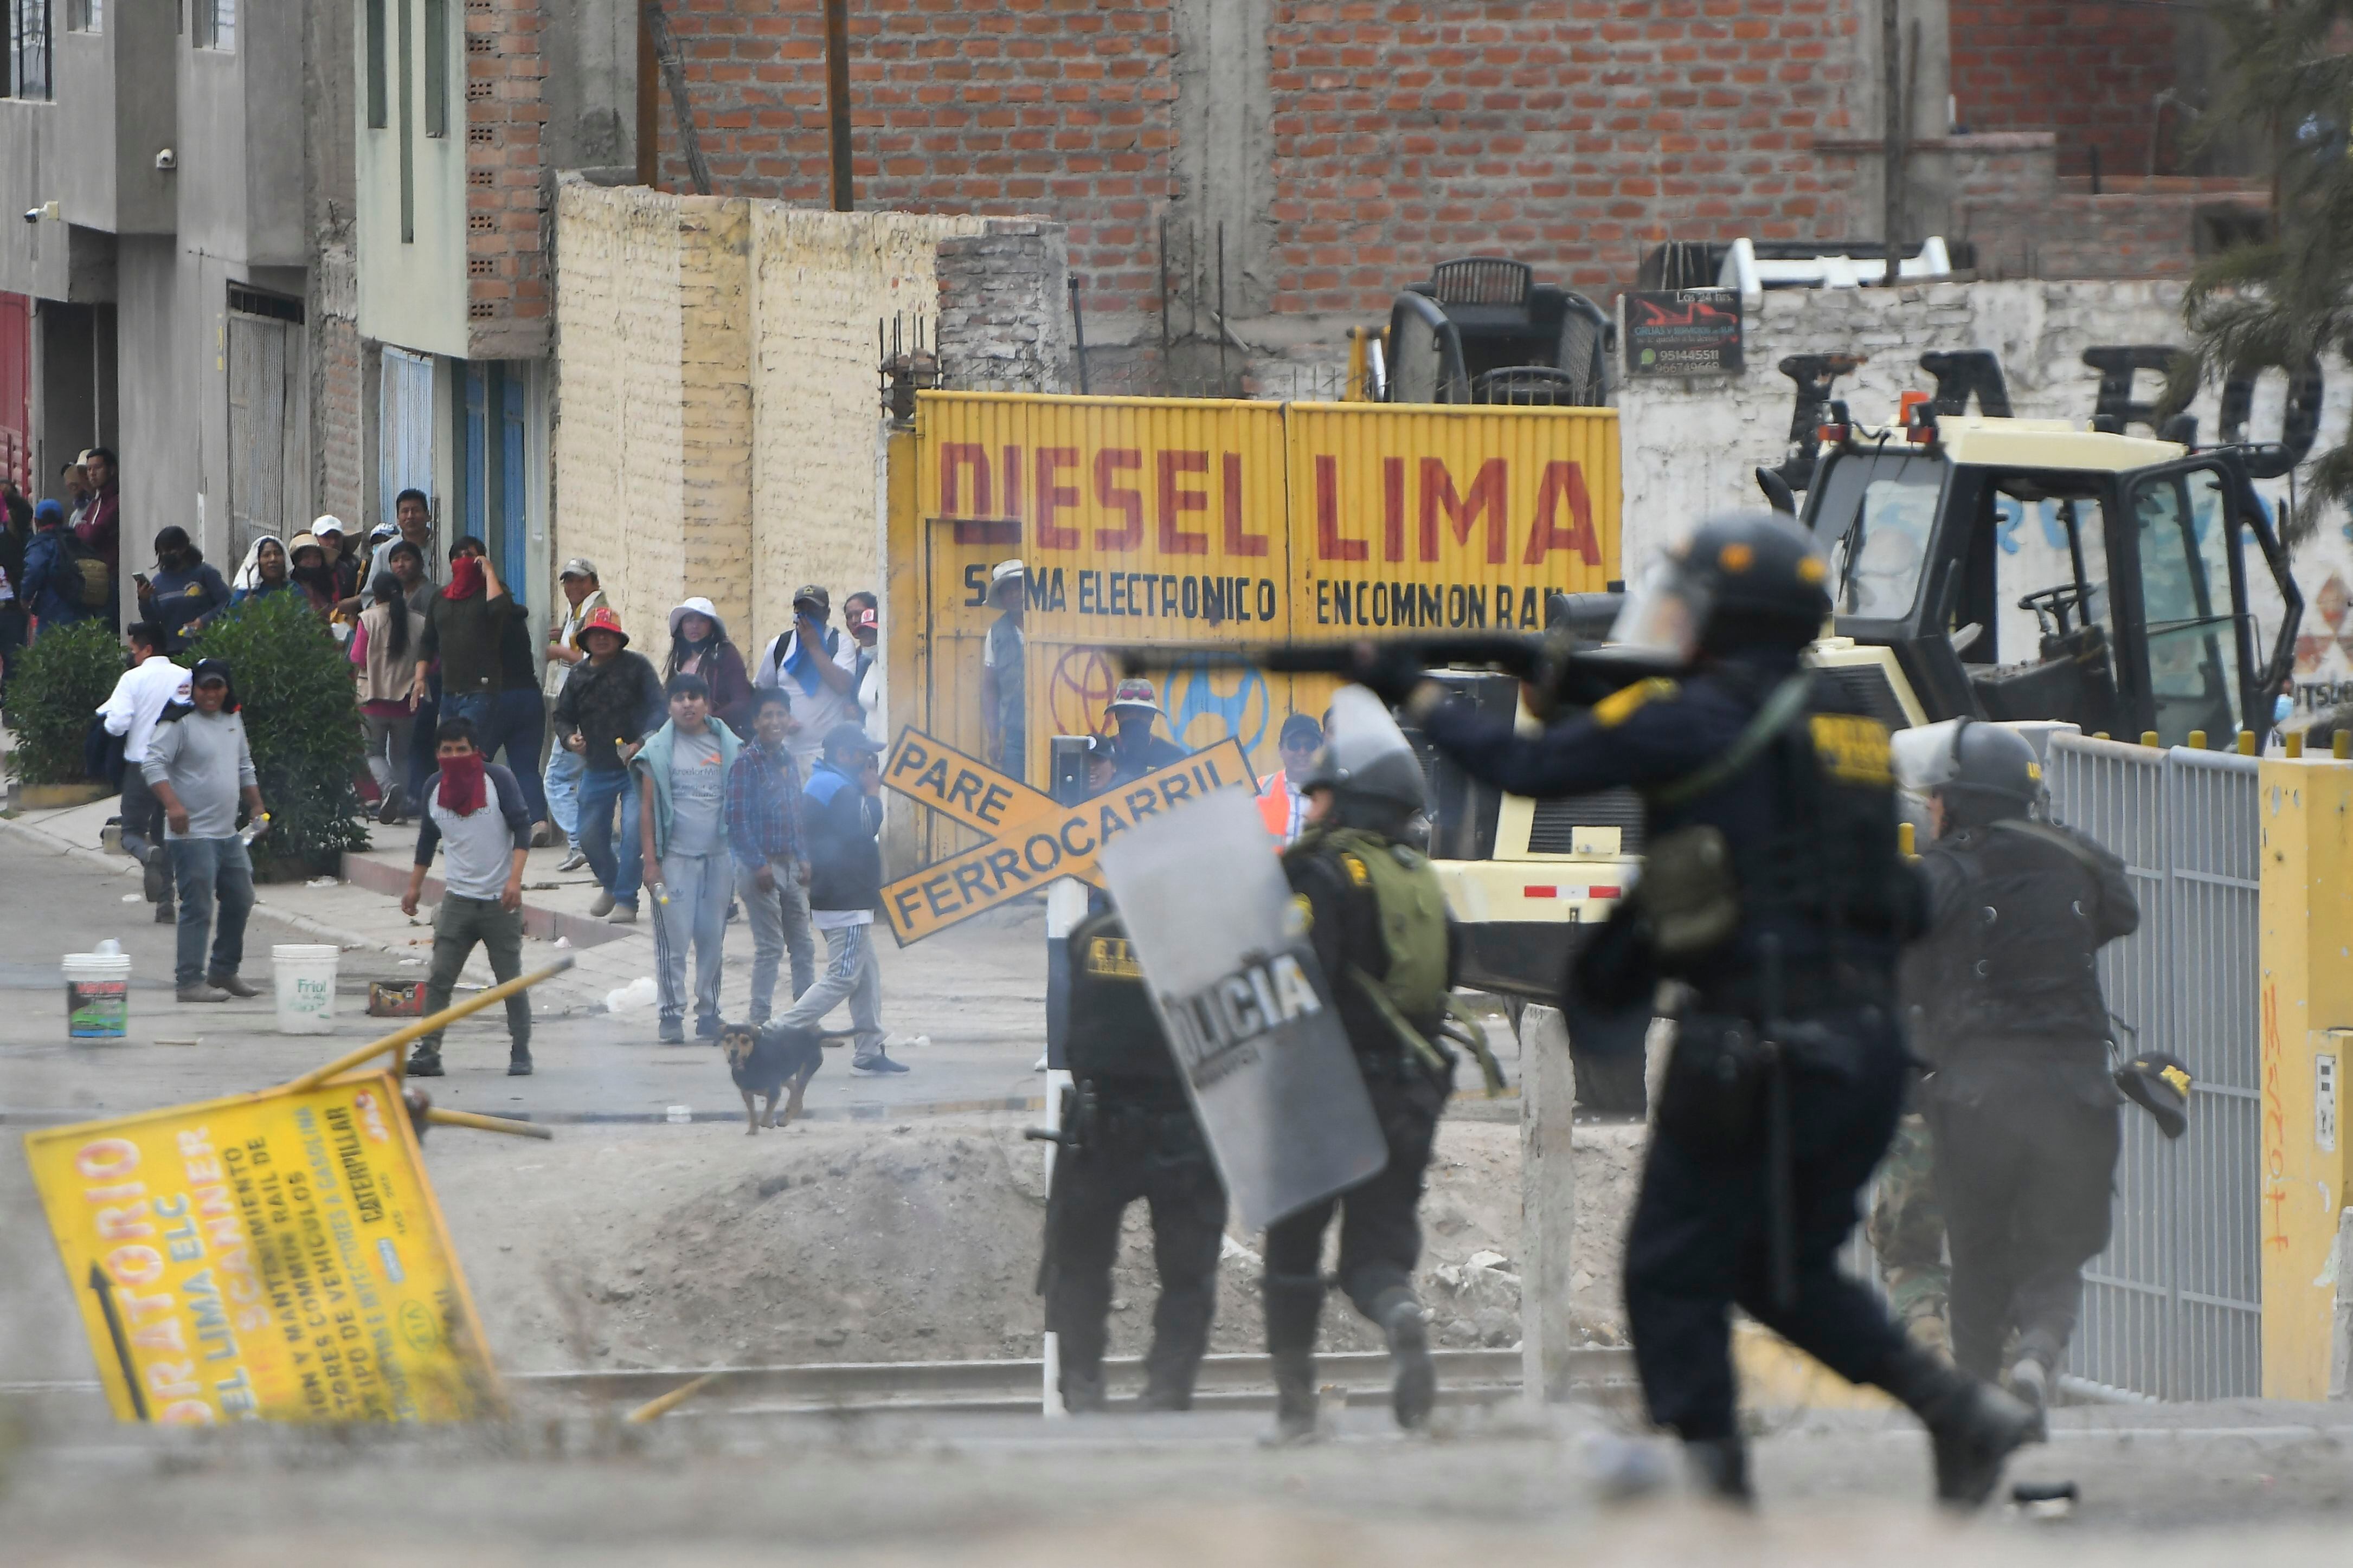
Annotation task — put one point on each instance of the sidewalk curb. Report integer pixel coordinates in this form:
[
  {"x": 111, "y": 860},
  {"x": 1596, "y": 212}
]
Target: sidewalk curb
[{"x": 122, "y": 865}]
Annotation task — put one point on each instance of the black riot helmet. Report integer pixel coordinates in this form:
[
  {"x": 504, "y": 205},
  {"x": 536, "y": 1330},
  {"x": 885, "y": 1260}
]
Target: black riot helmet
[
  {"x": 2159, "y": 1084},
  {"x": 1744, "y": 580},
  {"x": 1368, "y": 765},
  {"x": 1985, "y": 772}
]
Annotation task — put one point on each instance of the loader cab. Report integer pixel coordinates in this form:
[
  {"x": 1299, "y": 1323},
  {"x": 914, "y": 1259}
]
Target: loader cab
[{"x": 2023, "y": 569}]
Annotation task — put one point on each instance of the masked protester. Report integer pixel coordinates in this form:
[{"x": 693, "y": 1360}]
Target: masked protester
[
  {"x": 475, "y": 807},
  {"x": 2005, "y": 1006},
  {"x": 186, "y": 592},
  {"x": 1773, "y": 892}
]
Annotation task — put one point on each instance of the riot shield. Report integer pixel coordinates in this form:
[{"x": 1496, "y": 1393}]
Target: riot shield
[{"x": 1247, "y": 1008}]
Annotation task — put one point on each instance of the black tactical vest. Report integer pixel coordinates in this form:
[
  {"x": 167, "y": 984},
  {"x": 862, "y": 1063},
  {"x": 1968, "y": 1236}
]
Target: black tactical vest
[
  {"x": 2013, "y": 956},
  {"x": 1114, "y": 1034}
]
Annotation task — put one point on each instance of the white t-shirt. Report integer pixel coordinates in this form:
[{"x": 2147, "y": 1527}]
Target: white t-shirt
[
  {"x": 137, "y": 698},
  {"x": 818, "y": 712},
  {"x": 836, "y": 920},
  {"x": 557, "y": 671}
]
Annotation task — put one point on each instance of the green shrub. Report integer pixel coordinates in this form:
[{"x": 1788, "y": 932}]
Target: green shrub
[
  {"x": 54, "y": 688},
  {"x": 302, "y": 721}
]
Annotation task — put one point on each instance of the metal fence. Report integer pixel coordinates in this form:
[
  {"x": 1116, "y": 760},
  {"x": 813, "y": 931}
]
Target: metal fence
[{"x": 2173, "y": 1308}]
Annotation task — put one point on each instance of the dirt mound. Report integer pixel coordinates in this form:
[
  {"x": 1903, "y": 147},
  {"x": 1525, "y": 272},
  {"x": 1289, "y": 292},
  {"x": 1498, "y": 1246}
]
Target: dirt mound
[{"x": 914, "y": 1241}]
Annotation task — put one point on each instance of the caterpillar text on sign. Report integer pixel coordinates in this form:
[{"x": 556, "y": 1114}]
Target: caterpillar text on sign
[{"x": 1033, "y": 839}]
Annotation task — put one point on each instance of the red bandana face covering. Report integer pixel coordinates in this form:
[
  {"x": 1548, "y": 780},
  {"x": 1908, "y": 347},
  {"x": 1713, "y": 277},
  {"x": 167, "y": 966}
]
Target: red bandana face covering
[
  {"x": 464, "y": 788},
  {"x": 465, "y": 578}
]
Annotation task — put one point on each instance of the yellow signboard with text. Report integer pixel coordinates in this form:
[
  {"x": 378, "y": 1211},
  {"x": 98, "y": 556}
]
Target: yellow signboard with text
[{"x": 269, "y": 1257}]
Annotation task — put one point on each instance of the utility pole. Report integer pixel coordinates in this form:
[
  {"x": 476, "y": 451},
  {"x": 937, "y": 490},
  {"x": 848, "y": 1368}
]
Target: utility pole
[
  {"x": 837, "y": 99},
  {"x": 1891, "y": 50}
]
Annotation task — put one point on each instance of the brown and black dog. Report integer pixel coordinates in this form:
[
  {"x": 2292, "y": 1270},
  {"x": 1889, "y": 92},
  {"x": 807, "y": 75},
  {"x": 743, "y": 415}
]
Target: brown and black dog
[{"x": 767, "y": 1061}]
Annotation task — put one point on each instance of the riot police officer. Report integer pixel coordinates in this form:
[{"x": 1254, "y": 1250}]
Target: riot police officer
[
  {"x": 1377, "y": 917},
  {"x": 1773, "y": 890},
  {"x": 1134, "y": 1136},
  {"x": 2022, "y": 1114}
]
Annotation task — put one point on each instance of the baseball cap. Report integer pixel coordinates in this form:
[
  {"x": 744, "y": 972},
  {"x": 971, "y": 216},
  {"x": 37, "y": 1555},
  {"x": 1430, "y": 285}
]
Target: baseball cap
[
  {"x": 1136, "y": 693},
  {"x": 325, "y": 524},
  {"x": 850, "y": 735},
  {"x": 863, "y": 619},
  {"x": 810, "y": 593},
  {"x": 579, "y": 566}
]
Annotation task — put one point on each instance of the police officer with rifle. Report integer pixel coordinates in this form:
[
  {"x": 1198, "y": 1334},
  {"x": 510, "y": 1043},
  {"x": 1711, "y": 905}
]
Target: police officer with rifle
[
  {"x": 1131, "y": 1134},
  {"x": 2007, "y": 1009},
  {"x": 1377, "y": 917},
  {"x": 1774, "y": 893}
]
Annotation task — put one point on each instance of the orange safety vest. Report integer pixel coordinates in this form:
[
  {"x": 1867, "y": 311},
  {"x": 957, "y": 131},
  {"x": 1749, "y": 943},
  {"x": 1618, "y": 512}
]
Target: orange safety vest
[{"x": 1274, "y": 807}]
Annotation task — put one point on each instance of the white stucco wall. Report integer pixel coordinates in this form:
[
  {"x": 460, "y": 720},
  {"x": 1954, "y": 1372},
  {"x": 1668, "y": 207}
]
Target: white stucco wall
[{"x": 1690, "y": 444}]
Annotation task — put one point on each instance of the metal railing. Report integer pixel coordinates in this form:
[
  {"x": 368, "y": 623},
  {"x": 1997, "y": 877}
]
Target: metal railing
[{"x": 2173, "y": 1308}]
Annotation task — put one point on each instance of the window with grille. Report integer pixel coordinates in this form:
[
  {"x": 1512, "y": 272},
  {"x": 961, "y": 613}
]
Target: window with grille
[
  {"x": 28, "y": 72},
  {"x": 437, "y": 68},
  {"x": 216, "y": 25},
  {"x": 85, "y": 16}
]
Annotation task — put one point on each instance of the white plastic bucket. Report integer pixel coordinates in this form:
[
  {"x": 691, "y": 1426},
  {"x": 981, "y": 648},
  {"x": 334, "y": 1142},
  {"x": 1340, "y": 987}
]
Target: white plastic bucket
[
  {"x": 306, "y": 986},
  {"x": 98, "y": 996}
]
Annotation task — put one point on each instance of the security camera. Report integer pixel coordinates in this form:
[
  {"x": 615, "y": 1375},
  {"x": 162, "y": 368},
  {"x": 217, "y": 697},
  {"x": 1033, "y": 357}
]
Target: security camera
[
  {"x": 32, "y": 214},
  {"x": 46, "y": 209},
  {"x": 166, "y": 161}
]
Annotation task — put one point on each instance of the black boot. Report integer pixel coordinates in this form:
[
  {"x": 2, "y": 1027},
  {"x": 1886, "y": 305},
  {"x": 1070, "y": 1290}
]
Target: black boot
[
  {"x": 1295, "y": 1396},
  {"x": 518, "y": 1061},
  {"x": 1082, "y": 1389},
  {"x": 1973, "y": 1426},
  {"x": 2029, "y": 1381},
  {"x": 426, "y": 1062},
  {"x": 1413, "y": 1385},
  {"x": 1719, "y": 1469},
  {"x": 1165, "y": 1389}
]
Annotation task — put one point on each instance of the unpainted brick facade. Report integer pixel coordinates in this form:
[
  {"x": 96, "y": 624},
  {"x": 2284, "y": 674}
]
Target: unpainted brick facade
[
  {"x": 507, "y": 189},
  {"x": 2090, "y": 72}
]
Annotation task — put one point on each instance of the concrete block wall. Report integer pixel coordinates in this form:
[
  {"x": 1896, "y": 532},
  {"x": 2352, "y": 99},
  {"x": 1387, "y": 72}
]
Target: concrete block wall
[
  {"x": 1004, "y": 309},
  {"x": 819, "y": 282},
  {"x": 507, "y": 301}
]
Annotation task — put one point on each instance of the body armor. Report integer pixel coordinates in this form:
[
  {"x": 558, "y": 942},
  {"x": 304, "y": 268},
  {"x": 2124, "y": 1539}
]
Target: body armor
[
  {"x": 2013, "y": 953},
  {"x": 1114, "y": 1034}
]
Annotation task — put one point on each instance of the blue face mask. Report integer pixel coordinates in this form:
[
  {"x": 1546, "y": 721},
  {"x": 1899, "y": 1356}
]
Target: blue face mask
[{"x": 2281, "y": 705}]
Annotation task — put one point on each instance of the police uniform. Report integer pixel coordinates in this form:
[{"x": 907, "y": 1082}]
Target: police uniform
[
  {"x": 1138, "y": 1139},
  {"x": 2023, "y": 1113},
  {"x": 1751, "y": 767}
]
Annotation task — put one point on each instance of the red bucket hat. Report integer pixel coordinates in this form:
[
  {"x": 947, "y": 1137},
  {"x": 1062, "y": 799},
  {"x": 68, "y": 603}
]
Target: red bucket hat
[{"x": 603, "y": 619}]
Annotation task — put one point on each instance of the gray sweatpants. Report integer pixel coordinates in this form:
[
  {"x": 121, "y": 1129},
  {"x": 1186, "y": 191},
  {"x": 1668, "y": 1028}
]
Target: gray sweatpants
[
  {"x": 851, "y": 973},
  {"x": 780, "y": 928},
  {"x": 698, "y": 885}
]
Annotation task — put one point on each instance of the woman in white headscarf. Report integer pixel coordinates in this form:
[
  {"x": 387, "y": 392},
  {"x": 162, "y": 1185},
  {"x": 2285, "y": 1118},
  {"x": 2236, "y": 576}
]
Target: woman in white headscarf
[{"x": 265, "y": 570}]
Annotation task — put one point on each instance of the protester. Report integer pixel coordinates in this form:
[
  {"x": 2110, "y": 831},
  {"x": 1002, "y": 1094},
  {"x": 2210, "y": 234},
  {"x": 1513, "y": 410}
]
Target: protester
[
  {"x": 482, "y": 884},
  {"x": 265, "y": 570},
  {"x": 100, "y": 526},
  {"x": 682, "y": 832},
  {"x": 73, "y": 489},
  {"x": 861, "y": 614},
  {"x": 464, "y": 630},
  {"x": 519, "y": 721},
  {"x": 610, "y": 703},
  {"x": 380, "y": 648},
  {"x": 810, "y": 664},
  {"x": 1004, "y": 679},
  {"x": 699, "y": 646},
  {"x": 582, "y": 594},
  {"x": 199, "y": 765},
  {"x": 412, "y": 512},
  {"x": 407, "y": 563},
  {"x": 313, "y": 573},
  {"x": 53, "y": 585},
  {"x": 342, "y": 553},
  {"x": 1282, "y": 800},
  {"x": 131, "y": 710},
  {"x": 16, "y": 536},
  {"x": 1135, "y": 707},
  {"x": 186, "y": 592},
  {"x": 841, "y": 812},
  {"x": 771, "y": 868}
]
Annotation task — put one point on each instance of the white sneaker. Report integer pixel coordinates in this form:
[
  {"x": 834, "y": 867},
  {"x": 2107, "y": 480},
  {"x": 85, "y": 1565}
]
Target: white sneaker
[{"x": 1040, "y": 1065}]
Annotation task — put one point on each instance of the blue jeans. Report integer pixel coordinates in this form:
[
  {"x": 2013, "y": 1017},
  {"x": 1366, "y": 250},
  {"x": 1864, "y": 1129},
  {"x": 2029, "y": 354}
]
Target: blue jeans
[
  {"x": 518, "y": 724},
  {"x": 562, "y": 791},
  {"x": 620, "y": 871},
  {"x": 210, "y": 870}
]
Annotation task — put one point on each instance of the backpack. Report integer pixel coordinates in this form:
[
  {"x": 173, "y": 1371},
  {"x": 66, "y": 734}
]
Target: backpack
[{"x": 97, "y": 581}]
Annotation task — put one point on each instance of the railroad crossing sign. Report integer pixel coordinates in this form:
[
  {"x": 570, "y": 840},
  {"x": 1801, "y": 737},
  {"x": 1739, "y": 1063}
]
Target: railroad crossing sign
[{"x": 1032, "y": 839}]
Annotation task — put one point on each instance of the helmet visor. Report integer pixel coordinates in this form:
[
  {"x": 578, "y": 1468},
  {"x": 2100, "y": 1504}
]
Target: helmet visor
[
  {"x": 1663, "y": 616},
  {"x": 1927, "y": 759}
]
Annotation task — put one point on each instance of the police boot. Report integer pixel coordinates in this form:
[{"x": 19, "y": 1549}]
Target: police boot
[
  {"x": 2029, "y": 1381},
  {"x": 1973, "y": 1426},
  {"x": 1718, "y": 1467},
  {"x": 1413, "y": 1386},
  {"x": 1165, "y": 1390},
  {"x": 1295, "y": 1396},
  {"x": 424, "y": 1062},
  {"x": 1082, "y": 1389}
]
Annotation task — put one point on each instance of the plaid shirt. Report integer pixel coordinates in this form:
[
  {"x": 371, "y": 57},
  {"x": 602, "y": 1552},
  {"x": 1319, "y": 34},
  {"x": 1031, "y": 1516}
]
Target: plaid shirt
[{"x": 763, "y": 813}]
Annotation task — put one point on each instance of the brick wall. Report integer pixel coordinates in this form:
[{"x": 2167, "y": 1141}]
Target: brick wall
[
  {"x": 506, "y": 195},
  {"x": 1004, "y": 309},
  {"x": 1007, "y": 107},
  {"x": 1569, "y": 133},
  {"x": 2090, "y": 72}
]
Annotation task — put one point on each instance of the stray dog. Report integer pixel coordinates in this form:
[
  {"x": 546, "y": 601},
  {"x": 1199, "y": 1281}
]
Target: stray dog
[{"x": 768, "y": 1061}]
